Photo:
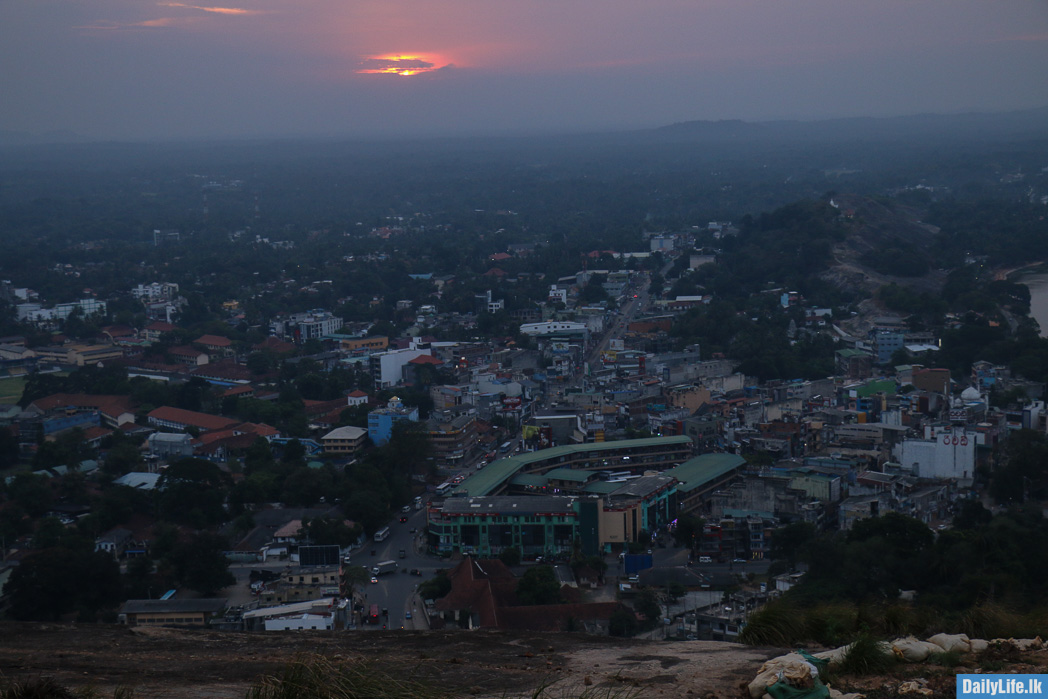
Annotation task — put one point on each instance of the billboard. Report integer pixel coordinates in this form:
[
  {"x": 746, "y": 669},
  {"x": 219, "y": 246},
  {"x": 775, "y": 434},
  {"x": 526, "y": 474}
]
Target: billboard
[{"x": 328, "y": 555}]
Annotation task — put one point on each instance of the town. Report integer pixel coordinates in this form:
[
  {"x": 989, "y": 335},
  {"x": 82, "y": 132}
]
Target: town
[{"x": 476, "y": 419}]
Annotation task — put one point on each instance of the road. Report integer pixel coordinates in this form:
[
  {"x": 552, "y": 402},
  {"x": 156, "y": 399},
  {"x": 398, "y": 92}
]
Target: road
[{"x": 396, "y": 591}]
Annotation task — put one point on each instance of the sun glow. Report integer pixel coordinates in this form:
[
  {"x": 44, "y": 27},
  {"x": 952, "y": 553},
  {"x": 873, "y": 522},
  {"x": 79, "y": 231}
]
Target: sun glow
[{"x": 402, "y": 64}]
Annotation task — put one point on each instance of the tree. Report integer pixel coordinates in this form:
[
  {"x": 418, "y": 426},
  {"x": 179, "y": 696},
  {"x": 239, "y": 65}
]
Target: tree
[
  {"x": 436, "y": 587},
  {"x": 510, "y": 556},
  {"x": 56, "y": 581},
  {"x": 192, "y": 491},
  {"x": 688, "y": 530},
  {"x": 328, "y": 530},
  {"x": 31, "y": 492},
  {"x": 8, "y": 449},
  {"x": 200, "y": 563},
  {"x": 539, "y": 585},
  {"x": 647, "y": 604},
  {"x": 623, "y": 623},
  {"x": 353, "y": 577},
  {"x": 788, "y": 542}
]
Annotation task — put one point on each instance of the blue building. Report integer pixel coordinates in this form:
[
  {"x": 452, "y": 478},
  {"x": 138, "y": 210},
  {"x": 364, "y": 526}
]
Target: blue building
[
  {"x": 886, "y": 343},
  {"x": 381, "y": 420}
]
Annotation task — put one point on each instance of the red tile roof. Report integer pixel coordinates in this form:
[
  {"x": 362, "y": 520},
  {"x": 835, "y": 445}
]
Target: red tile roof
[
  {"x": 185, "y": 351},
  {"x": 487, "y": 588},
  {"x": 425, "y": 359},
  {"x": 202, "y": 421},
  {"x": 213, "y": 341},
  {"x": 112, "y": 406},
  {"x": 275, "y": 345}
]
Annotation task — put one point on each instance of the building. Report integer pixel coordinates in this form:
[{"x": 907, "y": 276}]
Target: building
[
  {"x": 644, "y": 504},
  {"x": 381, "y": 420},
  {"x": 170, "y": 445},
  {"x": 364, "y": 345},
  {"x": 301, "y": 327},
  {"x": 114, "y": 411},
  {"x": 215, "y": 344},
  {"x": 302, "y": 583},
  {"x": 387, "y": 368},
  {"x": 634, "y": 456},
  {"x": 170, "y": 612},
  {"x": 483, "y": 595},
  {"x": 699, "y": 477},
  {"x": 181, "y": 420},
  {"x": 554, "y": 327},
  {"x": 190, "y": 356},
  {"x": 487, "y": 526},
  {"x": 452, "y": 434},
  {"x": 344, "y": 440},
  {"x": 945, "y": 453}
]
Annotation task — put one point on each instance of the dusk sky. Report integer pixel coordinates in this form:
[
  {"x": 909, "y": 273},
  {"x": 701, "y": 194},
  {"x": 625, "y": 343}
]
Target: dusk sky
[{"x": 133, "y": 69}]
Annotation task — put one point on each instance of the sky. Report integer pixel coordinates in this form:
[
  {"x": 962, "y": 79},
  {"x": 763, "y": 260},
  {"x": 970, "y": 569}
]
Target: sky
[{"x": 140, "y": 69}]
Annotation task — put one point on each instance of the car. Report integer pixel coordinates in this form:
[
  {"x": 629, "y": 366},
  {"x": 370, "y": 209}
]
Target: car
[
  {"x": 738, "y": 560},
  {"x": 705, "y": 559},
  {"x": 412, "y": 531},
  {"x": 416, "y": 571},
  {"x": 407, "y": 615},
  {"x": 403, "y": 520},
  {"x": 649, "y": 552},
  {"x": 374, "y": 579}
]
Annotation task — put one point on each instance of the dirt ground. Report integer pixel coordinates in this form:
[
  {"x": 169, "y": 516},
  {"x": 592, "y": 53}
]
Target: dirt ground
[{"x": 168, "y": 663}]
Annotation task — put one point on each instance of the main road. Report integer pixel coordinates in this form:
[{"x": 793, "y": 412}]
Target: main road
[{"x": 396, "y": 591}]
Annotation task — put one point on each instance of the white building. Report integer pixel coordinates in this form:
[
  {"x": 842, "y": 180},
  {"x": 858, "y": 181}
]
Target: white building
[
  {"x": 553, "y": 327},
  {"x": 305, "y": 622},
  {"x": 306, "y": 326},
  {"x": 387, "y": 367},
  {"x": 36, "y": 313},
  {"x": 947, "y": 453},
  {"x": 155, "y": 292}
]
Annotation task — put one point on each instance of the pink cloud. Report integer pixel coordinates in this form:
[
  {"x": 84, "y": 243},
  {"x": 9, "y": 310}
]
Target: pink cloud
[{"x": 216, "y": 10}]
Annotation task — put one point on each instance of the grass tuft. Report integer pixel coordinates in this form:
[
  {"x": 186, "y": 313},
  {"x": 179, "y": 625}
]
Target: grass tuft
[{"x": 866, "y": 656}]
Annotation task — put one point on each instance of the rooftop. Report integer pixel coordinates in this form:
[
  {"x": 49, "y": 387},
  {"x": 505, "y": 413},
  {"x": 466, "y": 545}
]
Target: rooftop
[
  {"x": 509, "y": 505},
  {"x": 704, "y": 468},
  {"x": 208, "y": 605},
  {"x": 498, "y": 472}
]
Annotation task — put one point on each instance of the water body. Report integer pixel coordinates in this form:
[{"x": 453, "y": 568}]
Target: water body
[{"x": 1038, "y": 285}]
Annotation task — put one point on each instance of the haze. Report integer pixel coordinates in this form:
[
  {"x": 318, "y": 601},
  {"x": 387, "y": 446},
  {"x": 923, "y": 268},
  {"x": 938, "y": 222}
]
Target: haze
[{"x": 128, "y": 69}]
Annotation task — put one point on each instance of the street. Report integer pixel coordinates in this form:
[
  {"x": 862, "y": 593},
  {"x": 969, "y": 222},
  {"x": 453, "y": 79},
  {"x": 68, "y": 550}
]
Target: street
[{"x": 396, "y": 591}]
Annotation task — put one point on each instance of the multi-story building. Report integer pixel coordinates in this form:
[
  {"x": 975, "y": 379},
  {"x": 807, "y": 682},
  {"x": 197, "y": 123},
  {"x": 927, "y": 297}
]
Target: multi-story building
[
  {"x": 487, "y": 526},
  {"x": 453, "y": 435},
  {"x": 344, "y": 440},
  {"x": 381, "y": 420},
  {"x": 155, "y": 292},
  {"x": 298, "y": 584},
  {"x": 387, "y": 368},
  {"x": 633, "y": 456},
  {"x": 312, "y": 325}
]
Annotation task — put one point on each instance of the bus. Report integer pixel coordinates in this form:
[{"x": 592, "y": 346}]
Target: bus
[
  {"x": 445, "y": 488},
  {"x": 506, "y": 446},
  {"x": 373, "y": 614},
  {"x": 382, "y": 534}
]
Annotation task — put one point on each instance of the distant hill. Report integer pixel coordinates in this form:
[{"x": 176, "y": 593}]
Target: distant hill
[
  {"x": 24, "y": 138},
  {"x": 1019, "y": 124}
]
